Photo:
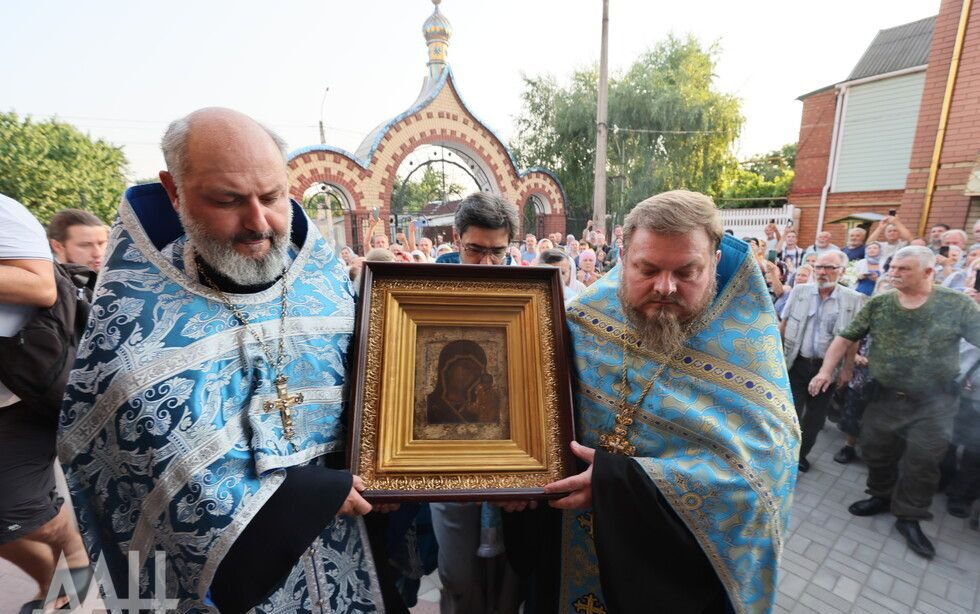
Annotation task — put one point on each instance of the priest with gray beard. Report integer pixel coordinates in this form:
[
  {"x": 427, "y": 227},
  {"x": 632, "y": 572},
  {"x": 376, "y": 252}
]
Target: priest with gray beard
[
  {"x": 205, "y": 414},
  {"x": 685, "y": 422}
]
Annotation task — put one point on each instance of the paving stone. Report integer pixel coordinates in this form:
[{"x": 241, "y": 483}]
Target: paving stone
[
  {"x": 845, "y": 571},
  {"x": 880, "y": 581},
  {"x": 955, "y": 573},
  {"x": 797, "y": 543},
  {"x": 845, "y": 545},
  {"x": 948, "y": 607},
  {"x": 963, "y": 595},
  {"x": 893, "y": 606},
  {"x": 823, "y": 600},
  {"x": 817, "y": 552},
  {"x": 800, "y": 560},
  {"x": 825, "y": 578},
  {"x": 865, "y": 604},
  {"x": 847, "y": 589},
  {"x": 866, "y": 554},
  {"x": 898, "y": 568},
  {"x": 904, "y": 592},
  {"x": 851, "y": 562},
  {"x": 936, "y": 585},
  {"x": 792, "y": 585}
]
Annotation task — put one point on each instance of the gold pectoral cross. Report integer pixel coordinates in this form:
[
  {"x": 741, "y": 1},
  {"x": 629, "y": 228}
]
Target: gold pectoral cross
[{"x": 284, "y": 404}]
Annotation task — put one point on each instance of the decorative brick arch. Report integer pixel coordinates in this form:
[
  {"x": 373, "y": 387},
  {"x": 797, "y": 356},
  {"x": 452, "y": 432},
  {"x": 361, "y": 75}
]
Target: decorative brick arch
[{"x": 439, "y": 117}]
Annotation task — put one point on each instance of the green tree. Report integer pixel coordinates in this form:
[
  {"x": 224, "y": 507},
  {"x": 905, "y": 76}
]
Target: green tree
[
  {"x": 412, "y": 195},
  {"x": 763, "y": 181},
  {"x": 51, "y": 165},
  {"x": 670, "y": 128}
]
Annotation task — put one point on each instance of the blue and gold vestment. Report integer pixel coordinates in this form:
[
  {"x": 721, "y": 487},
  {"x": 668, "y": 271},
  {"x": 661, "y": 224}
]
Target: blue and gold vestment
[
  {"x": 164, "y": 437},
  {"x": 717, "y": 434}
]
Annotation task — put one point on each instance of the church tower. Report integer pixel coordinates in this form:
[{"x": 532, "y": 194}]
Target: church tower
[{"x": 437, "y": 31}]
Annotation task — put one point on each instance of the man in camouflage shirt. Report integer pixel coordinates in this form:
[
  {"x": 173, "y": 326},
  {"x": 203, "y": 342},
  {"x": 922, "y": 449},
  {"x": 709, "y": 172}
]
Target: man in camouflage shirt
[{"x": 914, "y": 361}]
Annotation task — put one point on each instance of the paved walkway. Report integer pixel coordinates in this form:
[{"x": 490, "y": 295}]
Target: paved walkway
[{"x": 833, "y": 562}]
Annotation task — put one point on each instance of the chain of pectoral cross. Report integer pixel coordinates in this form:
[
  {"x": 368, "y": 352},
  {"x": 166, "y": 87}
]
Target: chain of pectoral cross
[
  {"x": 284, "y": 402},
  {"x": 618, "y": 441}
]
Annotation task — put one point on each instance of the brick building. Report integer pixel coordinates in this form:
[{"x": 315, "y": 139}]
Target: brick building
[
  {"x": 362, "y": 183},
  {"x": 901, "y": 132}
]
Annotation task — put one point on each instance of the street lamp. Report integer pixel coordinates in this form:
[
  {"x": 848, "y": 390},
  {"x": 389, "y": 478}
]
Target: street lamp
[{"x": 323, "y": 134}]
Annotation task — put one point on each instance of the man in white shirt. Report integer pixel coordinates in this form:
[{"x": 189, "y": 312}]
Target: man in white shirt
[
  {"x": 35, "y": 527},
  {"x": 813, "y": 315},
  {"x": 821, "y": 245}
]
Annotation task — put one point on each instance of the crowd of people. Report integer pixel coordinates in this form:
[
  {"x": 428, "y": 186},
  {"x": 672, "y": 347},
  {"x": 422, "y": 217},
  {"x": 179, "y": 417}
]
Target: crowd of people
[
  {"x": 881, "y": 336},
  {"x": 582, "y": 260}
]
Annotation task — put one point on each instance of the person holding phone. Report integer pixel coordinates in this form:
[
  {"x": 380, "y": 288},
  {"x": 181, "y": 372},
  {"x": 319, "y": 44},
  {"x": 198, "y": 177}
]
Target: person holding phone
[
  {"x": 773, "y": 237},
  {"x": 891, "y": 234}
]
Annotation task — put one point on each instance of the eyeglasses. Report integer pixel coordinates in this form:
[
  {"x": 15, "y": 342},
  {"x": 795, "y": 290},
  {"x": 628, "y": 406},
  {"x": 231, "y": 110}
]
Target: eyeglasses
[
  {"x": 496, "y": 254},
  {"x": 826, "y": 267}
]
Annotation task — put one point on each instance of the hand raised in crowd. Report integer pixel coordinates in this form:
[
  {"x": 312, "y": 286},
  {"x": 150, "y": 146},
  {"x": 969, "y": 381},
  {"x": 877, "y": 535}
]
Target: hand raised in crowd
[
  {"x": 578, "y": 487},
  {"x": 355, "y": 505}
]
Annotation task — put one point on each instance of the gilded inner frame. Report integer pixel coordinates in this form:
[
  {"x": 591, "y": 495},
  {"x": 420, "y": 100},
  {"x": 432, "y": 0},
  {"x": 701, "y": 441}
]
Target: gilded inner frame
[{"x": 519, "y": 450}]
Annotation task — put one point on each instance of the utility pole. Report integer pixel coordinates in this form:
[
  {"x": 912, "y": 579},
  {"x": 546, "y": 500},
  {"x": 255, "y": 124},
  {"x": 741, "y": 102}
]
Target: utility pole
[
  {"x": 601, "y": 134},
  {"x": 323, "y": 133}
]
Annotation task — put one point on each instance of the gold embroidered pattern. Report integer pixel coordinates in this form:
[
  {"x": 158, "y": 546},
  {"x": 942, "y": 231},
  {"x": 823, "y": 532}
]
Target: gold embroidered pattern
[
  {"x": 731, "y": 459},
  {"x": 586, "y": 521},
  {"x": 696, "y": 364}
]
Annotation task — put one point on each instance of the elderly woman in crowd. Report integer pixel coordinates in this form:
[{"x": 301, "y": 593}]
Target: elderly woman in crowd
[
  {"x": 868, "y": 269},
  {"x": 571, "y": 287},
  {"x": 801, "y": 276},
  {"x": 587, "y": 273}
]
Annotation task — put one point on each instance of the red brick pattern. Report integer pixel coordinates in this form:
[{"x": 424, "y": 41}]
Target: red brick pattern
[
  {"x": 960, "y": 149},
  {"x": 444, "y": 121}
]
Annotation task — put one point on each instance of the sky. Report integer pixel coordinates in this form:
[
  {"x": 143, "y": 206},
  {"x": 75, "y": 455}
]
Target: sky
[{"x": 121, "y": 70}]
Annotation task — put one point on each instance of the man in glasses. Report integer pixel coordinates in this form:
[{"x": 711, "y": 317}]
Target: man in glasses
[
  {"x": 484, "y": 226},
  {"x": 813, "y": 315}
]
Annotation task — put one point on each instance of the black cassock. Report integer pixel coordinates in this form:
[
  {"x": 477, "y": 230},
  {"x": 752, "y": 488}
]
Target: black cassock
[{"x": 649, "y": 561}]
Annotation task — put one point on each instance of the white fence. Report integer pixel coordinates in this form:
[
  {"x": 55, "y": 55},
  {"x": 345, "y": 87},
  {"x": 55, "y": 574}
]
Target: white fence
[{"x": 751, "y": 222}]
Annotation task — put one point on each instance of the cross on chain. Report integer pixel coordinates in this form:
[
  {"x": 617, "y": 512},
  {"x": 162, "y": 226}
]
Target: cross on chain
[
  {"x": 284, "y": 404},
  {"x": 589, "y": 605}
]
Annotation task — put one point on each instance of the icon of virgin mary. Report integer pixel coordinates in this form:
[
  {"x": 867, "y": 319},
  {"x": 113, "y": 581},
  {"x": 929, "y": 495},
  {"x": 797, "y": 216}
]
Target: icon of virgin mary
[{"x": 464, "y": 391}]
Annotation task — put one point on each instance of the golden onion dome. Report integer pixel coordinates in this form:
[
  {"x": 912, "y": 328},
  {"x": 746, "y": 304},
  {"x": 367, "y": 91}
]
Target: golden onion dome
[{"x": 437, "y": 27}]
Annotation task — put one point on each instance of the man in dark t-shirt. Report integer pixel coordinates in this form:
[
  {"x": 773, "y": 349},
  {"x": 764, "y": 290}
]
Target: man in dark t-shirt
[{"x": 913, "y": 363}]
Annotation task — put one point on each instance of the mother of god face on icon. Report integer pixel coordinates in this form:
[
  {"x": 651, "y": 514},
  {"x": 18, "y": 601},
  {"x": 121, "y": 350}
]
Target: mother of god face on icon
[{"x": 464, "y": 392}]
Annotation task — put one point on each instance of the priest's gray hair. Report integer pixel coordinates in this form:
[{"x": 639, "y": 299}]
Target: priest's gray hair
[
  {"x": 174, "y": 145},
  {"x": 678, "y": 212},
  {"x": 925, "y": 256}
]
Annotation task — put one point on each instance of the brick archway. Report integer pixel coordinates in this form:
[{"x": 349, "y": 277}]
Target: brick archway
[{"x": 438, "y": 118}]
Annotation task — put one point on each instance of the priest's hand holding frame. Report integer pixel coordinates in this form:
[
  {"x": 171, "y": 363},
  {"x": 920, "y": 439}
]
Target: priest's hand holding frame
[
  {"x": 578, "y": 487},
  {"x": 355, "y": 505}
]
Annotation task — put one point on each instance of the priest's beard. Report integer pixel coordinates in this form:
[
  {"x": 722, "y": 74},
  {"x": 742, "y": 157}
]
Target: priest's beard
[
  {"x": 222, "y": 257},
  {"x": 666, "y": 331}
]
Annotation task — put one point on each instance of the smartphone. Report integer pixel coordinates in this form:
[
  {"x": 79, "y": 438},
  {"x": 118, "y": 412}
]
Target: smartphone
[
  {"x": 772, "y": 221},
  {"x": 374, "y": 213},
  {"x": 976, "y": 283},
  {"x": 944, "y": 251},
  {"x": 771, "y": 255},
  {"x": 893, "y": 212}
]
